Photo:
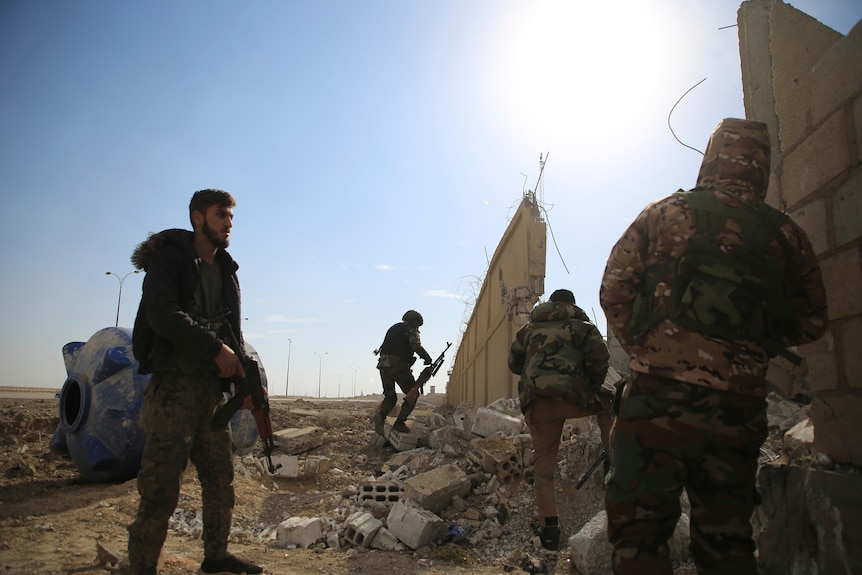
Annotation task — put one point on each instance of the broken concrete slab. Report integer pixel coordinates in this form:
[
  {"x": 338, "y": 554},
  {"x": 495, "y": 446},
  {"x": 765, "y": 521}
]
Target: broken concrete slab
[
  {"x": 434, "y": 489},
  {"x": 299, "y": 440}
]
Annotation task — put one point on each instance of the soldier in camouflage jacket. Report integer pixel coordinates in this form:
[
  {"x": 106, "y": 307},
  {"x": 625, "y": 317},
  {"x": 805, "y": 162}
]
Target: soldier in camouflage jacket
[
  {"x": 693, "y": 416},
  {"x": 562, "y": 360}
]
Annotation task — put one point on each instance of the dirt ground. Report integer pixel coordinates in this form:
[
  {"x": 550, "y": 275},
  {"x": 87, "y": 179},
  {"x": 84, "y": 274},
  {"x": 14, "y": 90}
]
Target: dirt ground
[{"x": 50, "y": 522}]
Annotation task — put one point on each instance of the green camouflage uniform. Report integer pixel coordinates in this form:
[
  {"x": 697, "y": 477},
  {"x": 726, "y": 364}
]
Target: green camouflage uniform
[
  {"x": 562, "y": 360},
  {"x": 693, "y": 415},
  {"x": 559, "y": 354}
]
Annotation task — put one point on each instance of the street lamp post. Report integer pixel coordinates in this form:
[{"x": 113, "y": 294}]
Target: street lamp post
[
  {"x": 287, "y": 379},
  {"x": 120, "y": 296},
  {"x": 354, "y": 370},
  {"x": 319, "y": 370}
]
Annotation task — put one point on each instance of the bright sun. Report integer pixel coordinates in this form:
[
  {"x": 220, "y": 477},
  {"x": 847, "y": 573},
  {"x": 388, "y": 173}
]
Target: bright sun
[{"x": 575, "y": 71}]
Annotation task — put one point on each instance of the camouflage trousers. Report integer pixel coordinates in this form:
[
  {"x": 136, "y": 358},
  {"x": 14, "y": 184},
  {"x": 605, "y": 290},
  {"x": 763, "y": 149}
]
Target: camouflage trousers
[
  {"x": 178, "y": 422},
  {"x": 669, "y": 436},
  {"x": 390, "y": 376},
  {"x": 545, "y": 418}
]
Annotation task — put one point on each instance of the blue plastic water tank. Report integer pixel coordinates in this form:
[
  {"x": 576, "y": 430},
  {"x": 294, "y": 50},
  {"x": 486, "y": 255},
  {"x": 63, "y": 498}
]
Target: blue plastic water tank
[{"x": 101, "y": 408}]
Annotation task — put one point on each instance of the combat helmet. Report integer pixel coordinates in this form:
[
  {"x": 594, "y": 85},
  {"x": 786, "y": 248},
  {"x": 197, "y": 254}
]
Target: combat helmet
[{"x": 413, "y": 317}]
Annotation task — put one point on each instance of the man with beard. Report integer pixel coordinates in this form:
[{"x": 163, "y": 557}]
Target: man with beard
[
  {"x": 189, "y": 310},
  {"x": 702, "y": 289}
]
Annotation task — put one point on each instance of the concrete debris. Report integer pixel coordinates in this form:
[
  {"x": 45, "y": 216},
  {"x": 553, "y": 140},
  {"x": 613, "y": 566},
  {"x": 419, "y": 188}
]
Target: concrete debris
[{"x": 467, "y": 476}]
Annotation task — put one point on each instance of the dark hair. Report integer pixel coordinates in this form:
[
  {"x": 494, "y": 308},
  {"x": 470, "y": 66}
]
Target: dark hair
[
  {"x": 203, "y": 199},
  {"x": 562, "y": 296}
]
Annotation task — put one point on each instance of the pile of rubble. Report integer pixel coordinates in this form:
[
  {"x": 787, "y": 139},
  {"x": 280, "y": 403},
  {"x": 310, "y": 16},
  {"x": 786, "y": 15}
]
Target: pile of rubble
[{"x": 462, "y": 478}]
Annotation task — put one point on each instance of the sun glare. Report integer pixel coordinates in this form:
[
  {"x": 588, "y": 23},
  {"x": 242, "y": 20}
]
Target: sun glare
[{"x": 579, "y": 74}]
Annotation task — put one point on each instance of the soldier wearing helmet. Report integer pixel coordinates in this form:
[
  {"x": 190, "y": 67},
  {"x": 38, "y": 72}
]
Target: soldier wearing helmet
[{"x": 396, "y": 357}]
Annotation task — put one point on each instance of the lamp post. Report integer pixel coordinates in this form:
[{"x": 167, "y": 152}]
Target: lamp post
[
  {"x": 319, "y": 370},
  {"x": 287, "y": 379},
  {"x": 120, "y": 296},
  {"x": 354, "y": 370}
]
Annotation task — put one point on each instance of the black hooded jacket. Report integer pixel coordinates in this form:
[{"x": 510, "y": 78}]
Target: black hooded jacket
[{"x": 165, "y": 326}]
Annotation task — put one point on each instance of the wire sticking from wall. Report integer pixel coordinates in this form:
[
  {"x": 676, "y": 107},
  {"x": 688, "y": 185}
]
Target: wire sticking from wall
[
  {"x": 553, "y": 239},
  {"x": 671, "y": 112}
]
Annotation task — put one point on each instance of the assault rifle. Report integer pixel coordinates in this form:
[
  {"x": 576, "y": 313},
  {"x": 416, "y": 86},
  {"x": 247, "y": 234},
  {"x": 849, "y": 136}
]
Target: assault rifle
[
  {"x": 603, "y": 455},
  {"x": 250, "y": 385},
  {"x": 431, "y": 370}
]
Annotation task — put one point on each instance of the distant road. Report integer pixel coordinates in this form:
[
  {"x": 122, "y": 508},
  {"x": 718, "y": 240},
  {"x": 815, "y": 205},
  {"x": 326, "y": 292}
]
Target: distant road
[{"x": 9, "y": 392}]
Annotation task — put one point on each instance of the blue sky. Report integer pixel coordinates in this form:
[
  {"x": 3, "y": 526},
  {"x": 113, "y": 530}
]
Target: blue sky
[{"x": 376, "y": 150}]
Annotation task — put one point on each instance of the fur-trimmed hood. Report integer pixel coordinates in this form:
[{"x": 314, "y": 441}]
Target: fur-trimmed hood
[{"x": 145, "y": 250}]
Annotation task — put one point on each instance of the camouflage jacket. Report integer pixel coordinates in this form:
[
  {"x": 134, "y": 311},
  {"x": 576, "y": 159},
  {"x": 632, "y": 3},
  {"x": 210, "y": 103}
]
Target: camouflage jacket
[
  {"x": 559, "y": 354},
  {"x": 660, "y": 234}
]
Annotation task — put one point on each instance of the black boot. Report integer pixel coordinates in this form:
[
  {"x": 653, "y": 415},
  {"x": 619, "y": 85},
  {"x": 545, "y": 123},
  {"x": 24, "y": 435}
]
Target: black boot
[
  {"x": 400, "y": 426},
  {"x": 550, "y": 534}
]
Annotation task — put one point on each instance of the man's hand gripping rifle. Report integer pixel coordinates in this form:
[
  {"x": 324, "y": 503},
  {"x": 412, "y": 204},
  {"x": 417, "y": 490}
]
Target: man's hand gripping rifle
[
  {"x": 251, "y": 386},
  {"x": 431, "y": 370}
]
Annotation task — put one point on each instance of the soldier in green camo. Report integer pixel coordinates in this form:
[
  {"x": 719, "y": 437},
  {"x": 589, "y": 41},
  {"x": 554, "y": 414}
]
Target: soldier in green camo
[
  {"x": 702, "y": 289},
  {"x": 396, "y": 358},
  {"x": 562, "y": 360}
]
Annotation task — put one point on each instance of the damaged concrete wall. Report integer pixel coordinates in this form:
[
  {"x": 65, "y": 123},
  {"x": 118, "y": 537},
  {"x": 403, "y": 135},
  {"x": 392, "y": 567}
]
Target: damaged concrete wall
[
  {"x": 512, "y": 286},
  {"x": 805, "y": 81}
]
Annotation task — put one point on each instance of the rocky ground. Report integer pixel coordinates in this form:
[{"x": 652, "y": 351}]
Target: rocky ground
[{"x": 51, "y": 522}]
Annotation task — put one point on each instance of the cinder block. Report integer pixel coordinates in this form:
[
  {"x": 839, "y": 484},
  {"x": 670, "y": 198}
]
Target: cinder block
[
  {"x": 842, "y": 276},
  {"x": 450, "y": 440},
  {"x": 434, "y": 489},
  {"x": 386, "y": 541},
  {"x": 500, "y": 456},
  {"x": 298, "y": 440},
  {"x": 817, "y": 160},
  {"x": 590, "y": 552},
  {"x": 840, "y": 69},
  {"x": 435, "y": 420},
  {"x": 361, "y": 528},
  {"x": 847, "y": 210},
  {"x": 298, "y": 531},
  {"x": 835, "y": 416},
  {"x": 385, "y": 492},
  {"x": 405, "y": 441},
  {"x": 812, "y": 219},
  {"x": 489, "y": 422},
  {"x": 822, "y": 363},
  {"x": 316, "y": 465},
  {"x": 413, "y": 526},
  {"x": 286, "y": 465},
  {"x": 463, "y": 420}
]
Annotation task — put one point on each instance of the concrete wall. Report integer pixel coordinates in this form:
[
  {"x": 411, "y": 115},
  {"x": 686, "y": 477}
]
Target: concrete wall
[
  {"x": 512, "y": 286},
  {"x": 805, "y": 81}
]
